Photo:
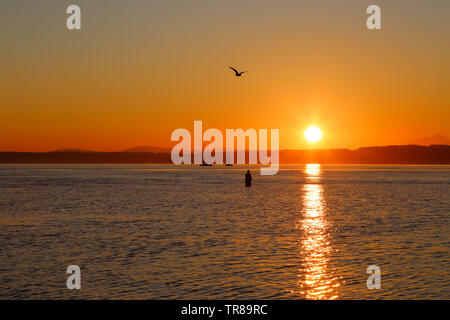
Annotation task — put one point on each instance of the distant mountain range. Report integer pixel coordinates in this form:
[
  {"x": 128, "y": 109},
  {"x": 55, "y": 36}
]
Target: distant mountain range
[
  {"x": 148, "y": 149},
  {"x": 438, "y": 139},
  {"x": 71, "y": 150},
  {"x": 408, "y": 154}
]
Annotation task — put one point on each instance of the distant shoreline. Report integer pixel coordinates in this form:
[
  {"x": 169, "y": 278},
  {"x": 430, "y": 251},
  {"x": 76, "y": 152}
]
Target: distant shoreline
[{"x": 409, "y": 154}]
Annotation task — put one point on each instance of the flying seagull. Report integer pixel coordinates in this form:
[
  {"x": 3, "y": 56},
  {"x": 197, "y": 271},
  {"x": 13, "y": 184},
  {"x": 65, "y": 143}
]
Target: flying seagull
[{"x": 237, "y": 73}]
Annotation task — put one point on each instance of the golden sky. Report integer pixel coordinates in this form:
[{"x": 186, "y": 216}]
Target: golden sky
[{"x": 140, "y": 69}]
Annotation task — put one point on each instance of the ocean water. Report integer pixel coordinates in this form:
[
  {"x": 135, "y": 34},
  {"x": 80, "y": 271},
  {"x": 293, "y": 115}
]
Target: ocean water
[{"x": 190, "y": 232}]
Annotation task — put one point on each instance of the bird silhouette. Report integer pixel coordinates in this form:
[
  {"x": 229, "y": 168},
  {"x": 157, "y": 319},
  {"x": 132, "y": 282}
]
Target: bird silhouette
[{"x": 237, "y": 73}]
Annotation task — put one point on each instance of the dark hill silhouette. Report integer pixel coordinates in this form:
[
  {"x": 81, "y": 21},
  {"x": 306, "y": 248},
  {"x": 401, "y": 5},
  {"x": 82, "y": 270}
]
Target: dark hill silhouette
[
  {"x": 148, "y": 149},
  {"x": 410, "y": 154},
  {"x": 71, "y": 150}
]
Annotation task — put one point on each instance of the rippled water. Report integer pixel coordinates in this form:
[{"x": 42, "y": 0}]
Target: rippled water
[{"x": 150, "y": 232}]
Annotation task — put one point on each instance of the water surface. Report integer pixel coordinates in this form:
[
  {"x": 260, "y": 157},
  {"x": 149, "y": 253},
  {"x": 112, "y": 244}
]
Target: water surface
[{"x": 165, "y": 232}]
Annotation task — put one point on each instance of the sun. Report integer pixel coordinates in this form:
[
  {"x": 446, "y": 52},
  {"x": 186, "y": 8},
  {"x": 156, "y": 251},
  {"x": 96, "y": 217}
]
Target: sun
[{"x": 313, "y": 134}]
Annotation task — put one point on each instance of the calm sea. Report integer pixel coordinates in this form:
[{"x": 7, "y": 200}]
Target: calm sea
[{"x": 165, "y": 232}]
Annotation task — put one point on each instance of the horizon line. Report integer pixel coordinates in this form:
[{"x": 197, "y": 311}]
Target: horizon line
[{"x": 80, "y": 150}]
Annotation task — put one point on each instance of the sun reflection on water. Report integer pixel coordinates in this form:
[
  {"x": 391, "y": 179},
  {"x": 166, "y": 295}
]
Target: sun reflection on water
[{"x": 316, "y": 280}]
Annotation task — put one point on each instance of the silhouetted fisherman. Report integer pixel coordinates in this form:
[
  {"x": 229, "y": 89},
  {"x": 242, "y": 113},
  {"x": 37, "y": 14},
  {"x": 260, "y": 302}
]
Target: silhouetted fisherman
[{"x": 248, "y": 179}]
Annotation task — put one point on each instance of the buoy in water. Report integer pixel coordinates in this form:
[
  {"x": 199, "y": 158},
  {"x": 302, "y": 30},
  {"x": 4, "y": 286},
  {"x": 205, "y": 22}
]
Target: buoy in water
[{"x": 248, "y": 179}]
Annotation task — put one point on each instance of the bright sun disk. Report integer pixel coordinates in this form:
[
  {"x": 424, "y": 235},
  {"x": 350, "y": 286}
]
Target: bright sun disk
[{"x": 313, "y": 134}]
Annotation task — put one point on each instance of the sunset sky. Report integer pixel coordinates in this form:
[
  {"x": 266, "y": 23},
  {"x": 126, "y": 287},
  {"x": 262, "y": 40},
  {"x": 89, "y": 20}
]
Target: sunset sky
[{"x": 139, "y": 69}]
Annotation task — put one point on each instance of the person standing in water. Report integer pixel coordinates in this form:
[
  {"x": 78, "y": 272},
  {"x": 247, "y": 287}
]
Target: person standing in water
[{"x": 248, "y": 179}]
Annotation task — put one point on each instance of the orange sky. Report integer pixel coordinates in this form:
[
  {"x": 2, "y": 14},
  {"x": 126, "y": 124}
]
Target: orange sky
[{"x": 138, "y": 70}]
